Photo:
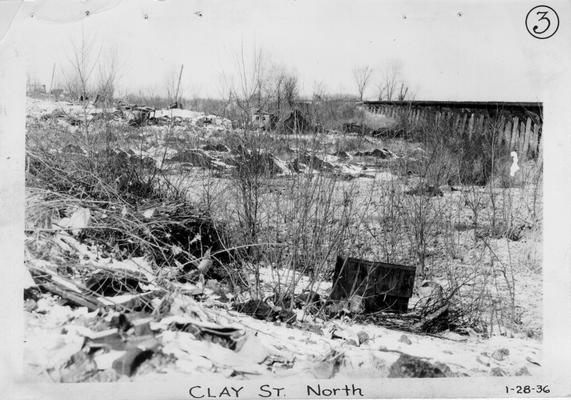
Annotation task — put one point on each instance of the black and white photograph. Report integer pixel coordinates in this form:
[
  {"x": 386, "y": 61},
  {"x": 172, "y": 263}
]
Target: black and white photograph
[{"x": 285, "y": 198}]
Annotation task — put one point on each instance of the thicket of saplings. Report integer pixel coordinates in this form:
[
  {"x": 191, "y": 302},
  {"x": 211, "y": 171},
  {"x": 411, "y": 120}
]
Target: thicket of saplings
[{"x": 295, "y": 224}]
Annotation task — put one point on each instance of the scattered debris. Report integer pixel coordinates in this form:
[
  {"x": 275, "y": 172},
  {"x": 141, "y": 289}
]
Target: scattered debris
[
  {"x": 431, "y": 296},
  {"x": 119, "y": 286},
  {"x": 197, "y": 158},
  {"x": 225, "y": 336},
  {"x": 326, "y": 366},
  {"x": 219, "y": 147},
  {"x": 259, "y": 163},
  {"x": 261, "y": 310},
  {"x": 128, "y": 362},
  {"x": 346, "y": 334},
  {"x": 73, "y": 293},
  {"x": 78, "y": 369},
  {"x": 363, "y": 337},
  {"x": 408, "y": 366},
  {"x": 500, "y": 354},
  {"x": 312, "y": 162},
  {"x": 78, "y": 220},
  {"x": 532, "y": 361},
  {"x": 497, "y": 371},
  {"x": 342, "y": 155},
  {"x": 139, "y": 116},
  {"x": 377, "y": 153},
  {"x": 425, "y": 190},
  {"x": 404, "y": 339},
  {"x": 436, "y": 321}
]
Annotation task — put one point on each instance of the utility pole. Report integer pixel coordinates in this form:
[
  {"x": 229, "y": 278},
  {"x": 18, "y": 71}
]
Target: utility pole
[
  {"x": 52, "y": 80},
  {"x": 178, "y": 83}
]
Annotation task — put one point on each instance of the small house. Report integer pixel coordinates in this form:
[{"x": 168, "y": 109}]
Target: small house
[
  {"x": 296, "y": 122},
  {"x": 57, "y": 93},
  {"x": 264, "y": 120},
  {"x": 35, "y": 89}
]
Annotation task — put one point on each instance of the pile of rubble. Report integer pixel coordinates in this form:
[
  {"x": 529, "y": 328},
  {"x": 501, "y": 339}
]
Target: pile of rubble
[
  {"x": 220, "y": 157},
  {"x": 377, "y": 153},
  {"x": 73, "y": 115},
  {"x": 140, "y": 116}
]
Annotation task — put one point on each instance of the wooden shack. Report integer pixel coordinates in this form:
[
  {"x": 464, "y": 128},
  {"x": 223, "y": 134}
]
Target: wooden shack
[
  {"x": 296, "y": 123},
  {"x": 383, "y": 286}
]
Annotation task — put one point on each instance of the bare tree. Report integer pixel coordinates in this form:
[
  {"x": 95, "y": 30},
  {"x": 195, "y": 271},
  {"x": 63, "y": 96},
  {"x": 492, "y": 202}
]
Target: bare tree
[
  {"x": 281, "y": 89},
  {"x": 403, "y": 92},
  {"x": 291, "y": 90},
  {"x": 257, "y": 85},
  {"x": 249, "y": 91},
  {"x": 84, "y": 59},
  {"x": 172, "y": 82},
  {"x": 319, "y": 92},
  {"x": 225, "y": 90},
  {"x": 362, "y": 75},
  {"x": 392, "y": 86},
  {"x": 275, "y": 93},
  {"x": 105, "y": 85}
]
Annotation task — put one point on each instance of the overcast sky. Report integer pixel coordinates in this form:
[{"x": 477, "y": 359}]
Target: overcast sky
[{"x": 448, "y": 50}]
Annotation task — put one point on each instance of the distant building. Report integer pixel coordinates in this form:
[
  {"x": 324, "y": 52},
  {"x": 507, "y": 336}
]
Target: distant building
[
  {"x": 57, "y": 93},
  {"x": 296, "y": 122},
  {"x": 264, "y": 120},
  {"x": 305, "y": 106},
  {"x": 35, "y": 88}
]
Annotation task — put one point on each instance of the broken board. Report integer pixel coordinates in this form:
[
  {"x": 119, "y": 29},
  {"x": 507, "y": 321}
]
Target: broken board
[{"x": 383, "y": 286}]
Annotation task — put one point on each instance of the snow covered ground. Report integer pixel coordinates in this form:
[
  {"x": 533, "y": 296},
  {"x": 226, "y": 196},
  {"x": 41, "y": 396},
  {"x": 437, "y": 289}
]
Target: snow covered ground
[{"x": 201, "y": 332}]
